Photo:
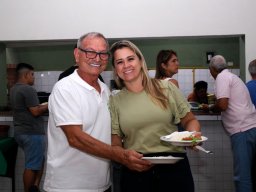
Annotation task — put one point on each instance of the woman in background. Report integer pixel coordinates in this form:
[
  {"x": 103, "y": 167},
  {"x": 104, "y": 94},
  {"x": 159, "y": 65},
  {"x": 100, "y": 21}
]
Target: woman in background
[
  {"x": 144, "y": 110},
  {"x": 167, "y": 65}
]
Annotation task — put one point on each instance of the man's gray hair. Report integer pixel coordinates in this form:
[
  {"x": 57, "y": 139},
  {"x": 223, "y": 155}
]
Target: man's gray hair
[
  {"x": 91, "y": 35},
  {"x": 218, "y": 62},
  {"x": 252, "y": 67}
]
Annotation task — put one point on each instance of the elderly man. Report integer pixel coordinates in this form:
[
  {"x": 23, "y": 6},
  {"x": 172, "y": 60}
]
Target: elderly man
[
  {"x": 79, "y": 127},
  {"x": 239, "y": 119},
  {"x": 71, "y": 69}
]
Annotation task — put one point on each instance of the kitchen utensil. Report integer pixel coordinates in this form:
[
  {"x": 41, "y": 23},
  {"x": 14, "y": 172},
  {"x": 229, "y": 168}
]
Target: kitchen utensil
[{"x": 203, "y": 149}]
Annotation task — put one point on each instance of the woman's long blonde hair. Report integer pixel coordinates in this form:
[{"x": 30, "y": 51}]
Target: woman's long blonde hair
[{"x": 151, "y": 86}]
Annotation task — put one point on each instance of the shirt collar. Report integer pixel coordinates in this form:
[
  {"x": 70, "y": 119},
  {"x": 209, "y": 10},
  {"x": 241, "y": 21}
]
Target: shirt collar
[{"x": 83, "y": 83}]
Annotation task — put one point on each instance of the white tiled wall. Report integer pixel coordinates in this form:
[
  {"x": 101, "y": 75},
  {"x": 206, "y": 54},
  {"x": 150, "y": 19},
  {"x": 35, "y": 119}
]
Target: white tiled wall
[
  {"x": 186, "y": 78},
  {"x": 45, "y": 80}
]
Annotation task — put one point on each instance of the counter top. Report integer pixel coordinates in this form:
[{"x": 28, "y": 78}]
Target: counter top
[
  {"x": 200, "y": 115},
  {"x": 201, "y": 112},
  {"x": 5, "y": 113},
  {"x": 206, "y": 115},
  {"x": 195, "y": 112},
  {"x": 7, "y": 116}
]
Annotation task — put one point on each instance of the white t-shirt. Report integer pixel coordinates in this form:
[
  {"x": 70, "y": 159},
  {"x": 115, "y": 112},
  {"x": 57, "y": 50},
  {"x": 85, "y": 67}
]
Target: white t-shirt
[
  {"x": 74, "y": 102},
  {"x": 240, "y": 114}
]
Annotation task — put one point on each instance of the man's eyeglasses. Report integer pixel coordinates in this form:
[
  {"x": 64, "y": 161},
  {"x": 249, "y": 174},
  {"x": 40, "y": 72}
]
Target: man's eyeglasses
[{"x": 93, "y": 54}]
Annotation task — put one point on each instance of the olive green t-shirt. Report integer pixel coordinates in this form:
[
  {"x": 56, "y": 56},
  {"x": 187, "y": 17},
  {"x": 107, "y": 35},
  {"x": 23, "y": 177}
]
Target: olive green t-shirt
[{"x": 141, "y": 122}]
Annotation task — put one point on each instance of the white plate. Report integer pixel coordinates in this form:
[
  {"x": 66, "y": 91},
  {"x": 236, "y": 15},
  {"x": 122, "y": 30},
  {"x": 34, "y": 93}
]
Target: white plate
[
  {"x": 194, "y": 105},
  {"x": 163, "y": 159},
  {"x": 176, "y": 139}
]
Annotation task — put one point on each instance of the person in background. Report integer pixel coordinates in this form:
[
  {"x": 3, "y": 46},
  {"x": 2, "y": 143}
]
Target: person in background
[
  {"x": 167, "y": 65},
  {"x": 251, "y": 85},
  {"x": 199, "y": 93},
  {"x": 238, "y": 116},
  {"x": 29, "y": 125},
  {"x": 71, "y": 69},
  {"x": 79, "y": 126},
  {"x": 67, "y": 72},
  {"x": 141, "y": 112}
]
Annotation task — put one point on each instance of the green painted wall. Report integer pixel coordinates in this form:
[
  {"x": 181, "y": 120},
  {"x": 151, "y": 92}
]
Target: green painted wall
[
  {"x": 47, "y": 58},
  {"x": 191, "y": 52}
]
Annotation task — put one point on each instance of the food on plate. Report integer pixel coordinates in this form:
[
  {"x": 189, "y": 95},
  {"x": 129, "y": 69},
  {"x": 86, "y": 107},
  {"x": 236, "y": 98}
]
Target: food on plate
[
  {"x": 184, "y": 138},
  {"x": 193, "y": 137}
]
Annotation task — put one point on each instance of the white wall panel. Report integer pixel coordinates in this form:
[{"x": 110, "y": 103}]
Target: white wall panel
[{"x": 68, "y": 19}]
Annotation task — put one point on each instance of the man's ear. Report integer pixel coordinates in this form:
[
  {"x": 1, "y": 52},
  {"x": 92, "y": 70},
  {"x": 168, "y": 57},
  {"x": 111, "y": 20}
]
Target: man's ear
[
  {"x": 26, "y": 74},
  {"x": 163, "y": 65},
  {"x": 76, "y": 55}
]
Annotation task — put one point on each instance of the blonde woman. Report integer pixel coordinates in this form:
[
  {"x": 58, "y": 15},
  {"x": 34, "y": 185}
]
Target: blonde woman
[{"x": 141, "y": 112}]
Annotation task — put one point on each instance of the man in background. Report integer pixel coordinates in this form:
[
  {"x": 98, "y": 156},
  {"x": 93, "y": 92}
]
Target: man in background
[
  {"x": 199, "y": 93},
  {"x": 251, "y": 85},
  {"x": 238, "y": 116},
  {"x": 28, "y": 125}
]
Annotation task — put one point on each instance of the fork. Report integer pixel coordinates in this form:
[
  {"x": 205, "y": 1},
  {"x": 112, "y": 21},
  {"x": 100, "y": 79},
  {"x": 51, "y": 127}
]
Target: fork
[{"x": 204, "y": 150}]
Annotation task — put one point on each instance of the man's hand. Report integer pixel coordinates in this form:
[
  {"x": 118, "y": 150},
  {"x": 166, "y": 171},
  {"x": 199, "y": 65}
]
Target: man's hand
[
  {"x": 133, "y": 161},
  {"x": 204, "y": 107}
]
